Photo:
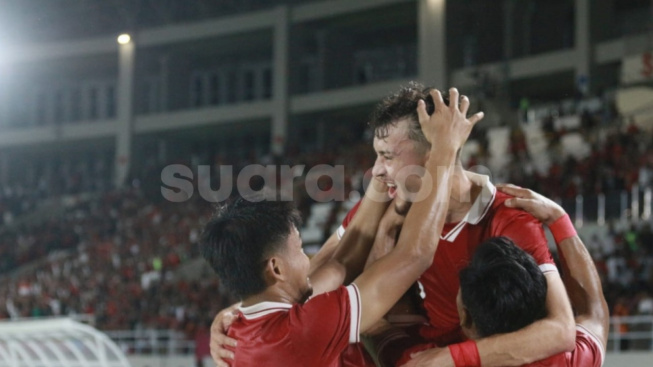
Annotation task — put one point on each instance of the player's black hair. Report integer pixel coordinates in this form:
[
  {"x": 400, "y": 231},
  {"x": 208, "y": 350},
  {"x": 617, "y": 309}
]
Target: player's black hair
[
  {"x": 241, "y": 236},
  {"x": 503, "y": 289}
]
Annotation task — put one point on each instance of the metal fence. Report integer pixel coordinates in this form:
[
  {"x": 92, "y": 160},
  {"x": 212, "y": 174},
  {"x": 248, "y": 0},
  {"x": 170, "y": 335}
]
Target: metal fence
[
  {"x": 637, "y": 334},
  {"x": 152, "y": 342},
  {"x": 618, "y": 205}
]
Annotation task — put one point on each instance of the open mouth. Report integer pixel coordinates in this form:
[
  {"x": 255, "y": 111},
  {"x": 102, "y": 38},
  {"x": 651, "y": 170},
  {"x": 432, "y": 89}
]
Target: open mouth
[{"x": 392, "y": 190}]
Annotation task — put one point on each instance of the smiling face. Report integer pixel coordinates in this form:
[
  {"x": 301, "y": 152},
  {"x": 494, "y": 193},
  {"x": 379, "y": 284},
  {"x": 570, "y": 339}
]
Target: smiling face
[{"x": 398, "y": 160}]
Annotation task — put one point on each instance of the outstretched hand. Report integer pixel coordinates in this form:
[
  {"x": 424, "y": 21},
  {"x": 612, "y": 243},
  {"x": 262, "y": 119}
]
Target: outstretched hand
[
  {"x": 543, "y": 209},
  {"x": 448, "y": 125}
]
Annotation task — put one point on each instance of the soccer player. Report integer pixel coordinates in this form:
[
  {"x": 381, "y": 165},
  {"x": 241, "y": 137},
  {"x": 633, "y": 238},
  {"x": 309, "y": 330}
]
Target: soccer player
[
  {"x": 476, "y": 213},
  {"x": 256, "y": 250},
  {"x": 502, "y": 291}
]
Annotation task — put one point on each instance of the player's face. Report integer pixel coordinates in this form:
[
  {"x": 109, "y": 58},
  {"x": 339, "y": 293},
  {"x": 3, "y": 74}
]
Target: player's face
[
  {"x": 398, "y": 163},
  {"x": 298, "y": 267},
  {"x": 462, "y": 315}
]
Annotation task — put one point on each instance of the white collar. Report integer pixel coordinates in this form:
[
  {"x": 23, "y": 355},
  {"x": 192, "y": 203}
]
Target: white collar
[
  {"x": 477, "y": 212},
  {"x": 263, "y": 308}
]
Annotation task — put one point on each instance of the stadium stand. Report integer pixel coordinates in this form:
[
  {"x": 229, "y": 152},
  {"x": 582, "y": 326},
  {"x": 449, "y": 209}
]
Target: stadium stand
[{"x": 87, "y": 126}]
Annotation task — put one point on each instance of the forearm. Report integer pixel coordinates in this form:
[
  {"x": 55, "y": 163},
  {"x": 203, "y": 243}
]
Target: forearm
[
  {"x": 581, "y": 280},
  {"x": 354, "y": 246},
  {"x": 426, "y": 217},
  {"x": 551, "y": 335},
  {"x": 537, "y": 341},
  {"x": 325, "y": 253}
]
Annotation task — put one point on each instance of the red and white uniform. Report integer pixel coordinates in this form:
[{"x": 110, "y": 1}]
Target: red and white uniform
[
  {"x": 589, "y": 352},
  {"x": 488, "y": 217},
  {"x": 316, "y": 333}
]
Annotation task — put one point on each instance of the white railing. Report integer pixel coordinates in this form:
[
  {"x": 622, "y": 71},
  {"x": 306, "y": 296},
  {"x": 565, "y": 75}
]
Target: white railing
[
  {"x": 638, "y": 336},
  {"x": 635, "y": 205},
  {"x": 152, "y": 342}
]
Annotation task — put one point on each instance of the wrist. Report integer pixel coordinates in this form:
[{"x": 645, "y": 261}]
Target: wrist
[
  {"x": 557, "y": 214},
  {"x": 562, "y": 229},
  {"x": 442, "y": 157},
  {"x": 465, "y": 354}
]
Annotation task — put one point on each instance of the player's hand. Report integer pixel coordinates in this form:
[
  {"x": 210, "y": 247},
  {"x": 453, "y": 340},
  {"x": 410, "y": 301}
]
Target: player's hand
[
  {"x": 431, "y": 357},
  {"x": 542, "y": 208},
  {"x": 448, "y": 126},
  {"x": 219, "y": 338}
]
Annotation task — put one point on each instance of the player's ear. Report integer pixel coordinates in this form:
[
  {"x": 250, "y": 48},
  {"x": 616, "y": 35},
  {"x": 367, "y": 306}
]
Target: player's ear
[
  {"x": 274, "y": 269},
  {"x": 466, "y": 321}
]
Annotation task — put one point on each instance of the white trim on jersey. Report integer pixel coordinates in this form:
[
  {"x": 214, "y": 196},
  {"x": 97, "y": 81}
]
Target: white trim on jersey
[
  {"x": 548, "y": 268},
  {"x": 477, "y": 212},
  {"x": 594, "y": 338},
  {"x": 262, "y": 309},
  {"x": 355, "y": 306},
  {"x": 340, "y": 232}
]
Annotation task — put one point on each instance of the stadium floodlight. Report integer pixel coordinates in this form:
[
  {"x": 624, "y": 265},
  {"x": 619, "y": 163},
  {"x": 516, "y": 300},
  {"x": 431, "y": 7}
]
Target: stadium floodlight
[{"x": 124, "y": 39}]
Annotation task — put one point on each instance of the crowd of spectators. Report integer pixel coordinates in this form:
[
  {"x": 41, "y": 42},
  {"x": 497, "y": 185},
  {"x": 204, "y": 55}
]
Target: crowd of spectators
[
  {"x": 114, "y": 255},
  {"x": 122, "y": 252}
]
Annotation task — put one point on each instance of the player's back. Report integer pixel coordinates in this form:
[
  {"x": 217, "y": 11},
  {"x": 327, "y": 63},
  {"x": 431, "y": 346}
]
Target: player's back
[{"x": 315, "y": 333}]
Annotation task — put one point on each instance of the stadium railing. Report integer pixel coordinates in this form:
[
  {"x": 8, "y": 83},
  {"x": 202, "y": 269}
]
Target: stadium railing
[
  {"x": 152, "y": 342},
  {"x": 628, "y": 333}
]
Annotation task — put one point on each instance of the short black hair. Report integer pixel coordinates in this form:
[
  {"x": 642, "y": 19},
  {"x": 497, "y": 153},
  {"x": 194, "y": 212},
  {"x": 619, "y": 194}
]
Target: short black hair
[
  {"x": 503, "y": 289},
  {"x": 241, "y": 236},
  {"x": 401, "y": 105}
]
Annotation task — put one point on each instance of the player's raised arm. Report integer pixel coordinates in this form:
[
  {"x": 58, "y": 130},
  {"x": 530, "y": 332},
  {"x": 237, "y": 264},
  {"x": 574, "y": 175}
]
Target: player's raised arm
[
  {"x": 383, "y": 283},
  {"x": 348, "y": 259},
  {"x": 581, "y": 280}
]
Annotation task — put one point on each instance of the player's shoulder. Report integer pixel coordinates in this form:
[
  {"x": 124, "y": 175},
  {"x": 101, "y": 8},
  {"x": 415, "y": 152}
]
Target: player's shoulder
[
  {"x": 589, "y": 349},
  {"x": 500, "y": 212},
  {"x": 348, "y": 218},
  {"x": 325, "y": 299}
]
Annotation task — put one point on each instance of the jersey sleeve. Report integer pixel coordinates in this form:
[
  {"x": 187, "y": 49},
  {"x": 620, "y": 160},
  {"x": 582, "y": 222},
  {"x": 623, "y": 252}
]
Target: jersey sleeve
[
  {"x": 589, "y": 350},
  {"x": 527, "y": 233},
  {"x": 348, "y": 218},
  {"x": 327, "y": 323}
]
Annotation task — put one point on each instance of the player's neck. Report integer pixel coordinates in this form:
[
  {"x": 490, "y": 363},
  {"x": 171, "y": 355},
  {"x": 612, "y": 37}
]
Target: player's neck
[
  {"x": 271, "y": 294},
  {"x": 463, "y": 195}
]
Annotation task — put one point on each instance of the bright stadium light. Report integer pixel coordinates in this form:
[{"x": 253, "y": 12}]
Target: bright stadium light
[{"x": 124, "y": 39}]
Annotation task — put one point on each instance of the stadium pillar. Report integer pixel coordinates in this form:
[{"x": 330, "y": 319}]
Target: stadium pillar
[
  {"x": 4, "y": 168},
  {"x": 432, "y": 46},
  {"x": 126, "y": 59},
  {"x": 280, "y": 83},
  {"x": 4, "y": 93},
  {"x": 583, "y": 45}
]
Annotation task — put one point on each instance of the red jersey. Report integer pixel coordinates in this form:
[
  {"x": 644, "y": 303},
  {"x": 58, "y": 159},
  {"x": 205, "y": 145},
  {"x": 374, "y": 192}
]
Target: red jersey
[
  {"x": 316, "y": 333},
  {"x": 588, "y": 353},
  {"x": 488, "y": 217}
]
